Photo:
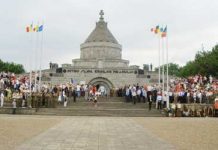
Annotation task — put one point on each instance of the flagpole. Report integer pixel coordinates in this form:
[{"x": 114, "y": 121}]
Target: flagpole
[
  {"x": 40, "y": 67},
  {"x": 36, "y": 54},
  {"x": 163, "y": 68},
  {"x": 30, "y": 62},
  {"x": 168, "y": 104},
  {"x": 159, "y": 40}
]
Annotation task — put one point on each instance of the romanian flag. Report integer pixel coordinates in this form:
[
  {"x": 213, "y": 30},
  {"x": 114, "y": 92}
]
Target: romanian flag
[
  {"x": 160, "y": 30},
  {"x": 37, "y": 28},
  {"x": 164, "y": 33}
]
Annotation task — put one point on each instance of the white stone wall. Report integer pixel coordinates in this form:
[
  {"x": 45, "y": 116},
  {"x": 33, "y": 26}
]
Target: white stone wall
[
  {"x": 100, "y": 50},
  {"x": 117, "y": 79},
  {"x": 100, "y": 63}
]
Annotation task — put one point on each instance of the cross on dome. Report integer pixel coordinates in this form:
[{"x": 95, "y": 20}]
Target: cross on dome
[{"x": 101, "y": 15}]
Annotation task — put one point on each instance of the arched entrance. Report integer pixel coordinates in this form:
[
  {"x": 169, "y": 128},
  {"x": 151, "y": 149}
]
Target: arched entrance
[{"x": 100, "y": 82}]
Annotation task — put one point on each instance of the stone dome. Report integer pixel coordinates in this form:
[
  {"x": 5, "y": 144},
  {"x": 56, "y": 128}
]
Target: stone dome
[
  {"x": 101, "y": 34},
  {"x": 101, "y": 44}
]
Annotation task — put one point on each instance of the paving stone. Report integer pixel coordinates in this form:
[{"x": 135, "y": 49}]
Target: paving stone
[{"x": 96, "y": 133}]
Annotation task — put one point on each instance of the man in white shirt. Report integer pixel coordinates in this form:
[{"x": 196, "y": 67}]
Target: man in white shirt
[
  {"x": 2, "y": 99},
  {"x": 210, "y": 79},
  {"x": 134, "y": 94},
  {"x": 139, "y": 95},
  {"x": 102, "y": 90},
  {"x": 159, "y": 101},
  {"x": 144, "y": 94},
  {"x": 199, "y": 96},
  {"x": 78, "y": 90}
]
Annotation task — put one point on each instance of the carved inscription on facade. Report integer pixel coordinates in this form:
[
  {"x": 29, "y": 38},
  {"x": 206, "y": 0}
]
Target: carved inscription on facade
[{"x": 98, "y": 71}]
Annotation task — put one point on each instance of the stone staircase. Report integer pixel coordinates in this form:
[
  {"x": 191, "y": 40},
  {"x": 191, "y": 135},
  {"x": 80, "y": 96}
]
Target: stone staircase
[{"x": 114, "y": 106}]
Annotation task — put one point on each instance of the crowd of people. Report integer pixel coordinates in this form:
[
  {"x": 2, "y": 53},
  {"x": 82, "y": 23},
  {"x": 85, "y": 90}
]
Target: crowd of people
[
  {"x": 194, "y": 89},
  {"x": 17, "y": 89}
]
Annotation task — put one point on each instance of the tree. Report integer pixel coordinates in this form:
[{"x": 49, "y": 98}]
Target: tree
[
  {"x": 11, "y": 67},
  {"x": 173, "y": 69},
  {"x": 205, "y": 63}
]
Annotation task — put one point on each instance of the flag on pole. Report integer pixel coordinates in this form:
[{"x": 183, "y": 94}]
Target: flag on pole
[
  {"x": 36, "y": 28},
  {"x": 164, "y": 33},
  {"x": 157, "y": 30},
  {"x": 29, "y": 28},
  {"x": 40, "y": 28}
]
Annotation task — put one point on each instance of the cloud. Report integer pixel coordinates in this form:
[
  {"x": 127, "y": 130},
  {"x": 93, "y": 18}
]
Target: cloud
[{"x": 68, "y": 23}]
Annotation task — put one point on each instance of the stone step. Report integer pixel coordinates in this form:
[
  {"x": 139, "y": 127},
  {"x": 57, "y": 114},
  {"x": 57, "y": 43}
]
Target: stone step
[
  {"x": 102, "y": 112},
  {"x": 106, "y": 104},
  {"x": 106, "y": 99},
  {"x": 88, "y": 111},
  {"x": 114, "y": 106},
  {"x": 23, "y": 111}
]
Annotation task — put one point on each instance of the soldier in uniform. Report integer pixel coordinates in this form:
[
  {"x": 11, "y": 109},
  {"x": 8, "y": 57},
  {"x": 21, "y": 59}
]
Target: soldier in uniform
[
  {"x": 48, "y": 100},
  {"x": 19, "y": 99},
  {"x": 33, "y": 99},
  {"x": 29, "y": 100},
  {"x": 38, "y": 99},
  {"x": 54, "y": 98},
  {"x": 43, "y": 99}
]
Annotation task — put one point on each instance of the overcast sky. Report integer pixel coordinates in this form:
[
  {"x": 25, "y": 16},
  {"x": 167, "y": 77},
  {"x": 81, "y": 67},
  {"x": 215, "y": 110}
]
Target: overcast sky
[{"x": 67, "y": 24}]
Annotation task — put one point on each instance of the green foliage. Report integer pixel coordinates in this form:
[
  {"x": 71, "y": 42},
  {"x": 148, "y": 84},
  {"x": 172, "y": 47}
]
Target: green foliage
[
  {"x": 11, "y": 67},
  {"x": 173, "y": 69},
  {"x": 205, "y": 63}
]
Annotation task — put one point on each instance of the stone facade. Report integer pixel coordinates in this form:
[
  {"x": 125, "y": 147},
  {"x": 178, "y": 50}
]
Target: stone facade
[{"x": 101, "y": 63}]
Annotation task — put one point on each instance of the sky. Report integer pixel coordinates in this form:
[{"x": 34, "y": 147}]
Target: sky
[{"x": 192, "y": 24}]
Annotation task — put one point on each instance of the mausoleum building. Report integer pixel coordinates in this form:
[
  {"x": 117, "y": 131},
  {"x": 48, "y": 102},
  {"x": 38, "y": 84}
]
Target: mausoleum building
[{"x": 100, "y": 63}]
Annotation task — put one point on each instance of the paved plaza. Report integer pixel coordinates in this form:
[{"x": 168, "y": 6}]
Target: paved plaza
[
  {"x": 96, "y": 133},
  {"x": 106, "y": 133}
]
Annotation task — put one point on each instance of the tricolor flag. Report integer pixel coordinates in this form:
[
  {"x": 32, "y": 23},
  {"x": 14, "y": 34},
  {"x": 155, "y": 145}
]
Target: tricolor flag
[
  {"x": 164, "y": 33},
  {"x": 37, "y": 28}
]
